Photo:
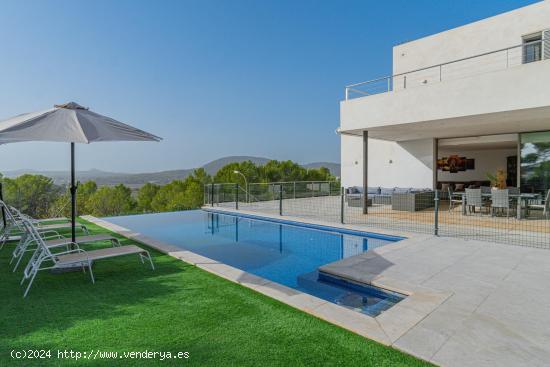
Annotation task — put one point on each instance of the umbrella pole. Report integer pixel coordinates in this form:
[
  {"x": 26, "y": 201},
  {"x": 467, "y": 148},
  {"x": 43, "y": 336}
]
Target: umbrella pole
[
  {"x": 2, "y": 199},
  {"x": 73, "y": 197}
]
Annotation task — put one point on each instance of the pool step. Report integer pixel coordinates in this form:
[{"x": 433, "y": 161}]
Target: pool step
[{"x": 359, "y": 297}]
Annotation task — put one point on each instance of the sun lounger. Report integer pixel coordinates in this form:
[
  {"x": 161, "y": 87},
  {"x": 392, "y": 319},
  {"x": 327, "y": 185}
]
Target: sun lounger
[
  {"x": 57, "y": 241},
  {"x": 44, "y": 259},
  {"x": 14, "y": 230},
  {"x": 41, "y": 224}
]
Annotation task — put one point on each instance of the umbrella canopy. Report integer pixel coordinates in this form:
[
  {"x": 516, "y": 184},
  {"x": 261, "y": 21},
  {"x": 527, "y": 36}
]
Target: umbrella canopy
[{"x": 70, "y": 123}]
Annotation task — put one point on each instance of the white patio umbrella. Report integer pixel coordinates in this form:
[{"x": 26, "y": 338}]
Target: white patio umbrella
[{"x": 69, "y": 123}]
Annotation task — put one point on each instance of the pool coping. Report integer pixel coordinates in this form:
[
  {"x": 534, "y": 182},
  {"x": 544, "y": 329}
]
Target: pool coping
[{"x": 385, "y": 328}]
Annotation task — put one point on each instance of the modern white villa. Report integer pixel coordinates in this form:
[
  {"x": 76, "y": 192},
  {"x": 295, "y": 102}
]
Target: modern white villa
[{"x": 460, "y": 104}]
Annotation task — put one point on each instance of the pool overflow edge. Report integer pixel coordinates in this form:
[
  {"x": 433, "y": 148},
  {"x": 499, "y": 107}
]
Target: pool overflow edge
[{"x": 319, "y": 227}]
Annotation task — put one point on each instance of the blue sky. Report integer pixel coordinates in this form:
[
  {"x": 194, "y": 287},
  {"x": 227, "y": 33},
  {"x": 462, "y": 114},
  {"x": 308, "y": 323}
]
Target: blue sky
[{"x": 214, "y": 78}]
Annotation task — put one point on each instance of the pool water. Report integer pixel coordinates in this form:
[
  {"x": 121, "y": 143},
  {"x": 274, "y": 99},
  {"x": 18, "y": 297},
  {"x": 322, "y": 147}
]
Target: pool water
[{"x": 289, "y": 254}]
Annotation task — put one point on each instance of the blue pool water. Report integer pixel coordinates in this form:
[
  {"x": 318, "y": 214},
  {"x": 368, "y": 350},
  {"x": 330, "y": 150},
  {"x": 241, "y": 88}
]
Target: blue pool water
[{"x": 285, "y": 253}]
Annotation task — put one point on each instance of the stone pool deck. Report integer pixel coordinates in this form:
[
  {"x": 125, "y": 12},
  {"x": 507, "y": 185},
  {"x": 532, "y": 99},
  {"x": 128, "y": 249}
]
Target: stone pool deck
[{"x": 471, "y": 303}]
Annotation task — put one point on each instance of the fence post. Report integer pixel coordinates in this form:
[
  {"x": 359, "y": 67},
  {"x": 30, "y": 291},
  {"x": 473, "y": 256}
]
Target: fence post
[
  {"x": 436, "y": 213},
  {"x": 342, "y": 196},
  {"x": 212, "y": 194},
  {"x": 280, "y": 199},
  {"x": 236, "y": 196}
]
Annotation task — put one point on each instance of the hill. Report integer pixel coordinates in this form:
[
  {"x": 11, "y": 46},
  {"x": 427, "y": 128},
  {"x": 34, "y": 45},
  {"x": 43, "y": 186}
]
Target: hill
[{"x": 105, "y": 178}]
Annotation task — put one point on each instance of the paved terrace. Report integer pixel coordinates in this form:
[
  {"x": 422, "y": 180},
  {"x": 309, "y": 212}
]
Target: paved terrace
[
  {"x": 533, "y": 232},
  {"x": 496, "y": 312}
]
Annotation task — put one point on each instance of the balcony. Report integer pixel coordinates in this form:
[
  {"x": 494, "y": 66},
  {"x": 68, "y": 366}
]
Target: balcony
[
  {"x": 463, "y": 68},
  {"x": 503, "y": 91}
]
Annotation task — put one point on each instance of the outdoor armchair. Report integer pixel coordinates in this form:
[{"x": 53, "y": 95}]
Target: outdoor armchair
[
  {"x": 453, "y": 198},
  {"x": 544, "y": 206}
]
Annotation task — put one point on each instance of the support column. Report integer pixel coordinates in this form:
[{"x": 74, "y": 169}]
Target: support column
[
  {"x": 365, "y": 170},
  {"x": 434, "y": 168}
]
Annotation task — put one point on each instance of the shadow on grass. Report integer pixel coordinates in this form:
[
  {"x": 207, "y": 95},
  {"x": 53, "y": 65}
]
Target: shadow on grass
[{"x": 59, "y": 301}]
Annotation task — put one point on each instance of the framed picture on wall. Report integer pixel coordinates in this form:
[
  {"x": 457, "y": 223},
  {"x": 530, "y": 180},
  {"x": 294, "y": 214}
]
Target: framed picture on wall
[{"x": 455, "y": 163}]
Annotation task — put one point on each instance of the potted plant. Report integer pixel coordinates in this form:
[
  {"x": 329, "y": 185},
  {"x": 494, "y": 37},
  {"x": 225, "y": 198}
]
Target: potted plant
[{"x": 498, "y": 180}]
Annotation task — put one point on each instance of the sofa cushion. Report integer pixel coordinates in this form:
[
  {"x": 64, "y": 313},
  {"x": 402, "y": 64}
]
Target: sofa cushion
[
  {"x": 425, "y": 189},
  {"x": 373, "y": 190},
  {"x": 402, "y": 190},
  {"x": 386, "y": 191},
  {"x": 354, "y": 190}
]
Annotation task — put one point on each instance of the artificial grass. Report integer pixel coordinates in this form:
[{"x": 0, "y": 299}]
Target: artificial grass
[{"x": 176, "y": 308}]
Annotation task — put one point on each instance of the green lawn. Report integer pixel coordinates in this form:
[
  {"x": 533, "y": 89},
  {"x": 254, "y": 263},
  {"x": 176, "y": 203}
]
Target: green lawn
[{"x": 177, "y": 307}]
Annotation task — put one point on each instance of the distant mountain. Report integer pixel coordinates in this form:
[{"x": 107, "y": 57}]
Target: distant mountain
[
  {"x": 103, "y": 178},
  {"x": 212, "y": 167}
]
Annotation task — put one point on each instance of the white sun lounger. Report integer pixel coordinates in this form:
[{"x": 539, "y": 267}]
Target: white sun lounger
[
  {"x": 44, "y": 259},
  {"x": 55, "y": 242},
  {"x": 42, "y": 225},
  {"x": 14, "y": 230}
]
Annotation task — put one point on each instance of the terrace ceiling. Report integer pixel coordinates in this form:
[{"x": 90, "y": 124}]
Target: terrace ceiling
[{"x": 506, "y": 122}]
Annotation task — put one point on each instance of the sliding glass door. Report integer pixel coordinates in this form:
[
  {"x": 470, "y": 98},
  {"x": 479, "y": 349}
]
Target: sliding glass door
[{"x": 535, "y": 161}]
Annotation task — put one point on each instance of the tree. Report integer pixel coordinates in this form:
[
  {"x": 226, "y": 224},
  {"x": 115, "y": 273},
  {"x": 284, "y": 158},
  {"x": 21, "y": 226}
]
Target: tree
[
  {"x": 319, "y": 174},
  {"x": 109, "y": 200},
  {"x": 193, "y": 196},
  {"x": 170, "y": 197},
  {"x": 62, "y": 206},
  {"x": 145, "y": 196},
  {"x": 32, "y": 194}
]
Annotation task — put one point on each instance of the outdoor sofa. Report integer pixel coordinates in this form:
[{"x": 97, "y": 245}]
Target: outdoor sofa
[{"x": 404, "y": 199}]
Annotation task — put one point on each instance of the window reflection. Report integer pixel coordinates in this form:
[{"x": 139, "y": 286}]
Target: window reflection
[{"x": 535, "y": 161}]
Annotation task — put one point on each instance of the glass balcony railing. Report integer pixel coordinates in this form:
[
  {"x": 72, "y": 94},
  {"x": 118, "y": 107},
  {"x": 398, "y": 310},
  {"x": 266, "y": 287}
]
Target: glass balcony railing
[{"x": 467, "y": 67}]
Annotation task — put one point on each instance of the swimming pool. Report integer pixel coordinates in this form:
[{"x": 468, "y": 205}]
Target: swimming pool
[{"x": 288, "y": 253}]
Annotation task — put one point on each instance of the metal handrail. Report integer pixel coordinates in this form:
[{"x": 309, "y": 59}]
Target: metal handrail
[
  {"x": 209, "y": 192},
  {"x": 350, "y": 87}
]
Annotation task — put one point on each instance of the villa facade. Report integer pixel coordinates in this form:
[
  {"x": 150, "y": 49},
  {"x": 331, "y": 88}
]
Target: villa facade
[{"x": 460, "y": 104}]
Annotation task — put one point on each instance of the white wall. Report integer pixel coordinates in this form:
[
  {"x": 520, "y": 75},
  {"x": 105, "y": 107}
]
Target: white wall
[
  {"x": 486, "y": 161},
  {"x": 490, "y": 34},
  {"x": 411, "y": 163},
  {"x": 515, "y": 89}
]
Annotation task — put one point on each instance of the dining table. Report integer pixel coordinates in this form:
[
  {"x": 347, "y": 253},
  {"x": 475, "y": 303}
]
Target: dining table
[{"x": 520, "y": 199}]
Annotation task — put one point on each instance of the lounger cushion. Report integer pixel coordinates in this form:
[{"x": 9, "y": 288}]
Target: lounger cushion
[
  {"x": 83, "y": 239},
  {"x": 99, "y": 254},
  {"x": 57, "y": 226}
]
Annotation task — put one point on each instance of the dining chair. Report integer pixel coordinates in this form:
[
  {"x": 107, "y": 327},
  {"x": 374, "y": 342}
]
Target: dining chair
[
  {"x": 513, "y": 190},
  {"x": 474, "y": 200},
  {"x": 544, "y": 206},
  {"x": 453, "y": 198},
  {"x": 500, "y": 199}
]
